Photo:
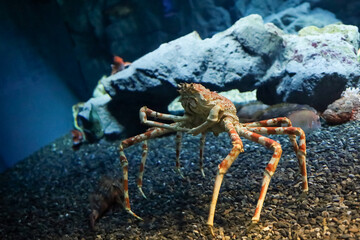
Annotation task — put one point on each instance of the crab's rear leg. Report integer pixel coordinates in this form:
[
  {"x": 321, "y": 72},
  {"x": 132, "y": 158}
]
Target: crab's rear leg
[
  {"x": 275, "y": 122},
  {"x": 223, "y": 167},
  {"x": 152, "y": 133},
  {"x": 301, "y": 148},
  {"x": 178, "y": 138},
  {"x": 270, "y": 123},
  {"x": 201, "y": 160},
  {"x": 270, "y": 168}
]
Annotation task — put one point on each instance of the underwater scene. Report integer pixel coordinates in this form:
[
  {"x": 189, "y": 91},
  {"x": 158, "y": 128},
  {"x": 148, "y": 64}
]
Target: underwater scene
[{"x": 180, "y": 119}]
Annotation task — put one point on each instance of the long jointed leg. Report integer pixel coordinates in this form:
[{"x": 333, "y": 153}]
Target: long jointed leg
[
  {"x": 223, "y": 167},
  {"x": 270, "y": 168},
  {"x": 201, "y": 160},
  {"x": 146, "y": 112},
  {"x": 300, "y": 150},
  {"x": 142, "y": 167},
  {"x": 275, "y": 122},
  {"x": 178, "y": 138},
  {"x": 152, "y": 133}
]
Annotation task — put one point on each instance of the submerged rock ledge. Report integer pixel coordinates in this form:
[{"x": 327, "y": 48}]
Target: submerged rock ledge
[{"x": 249, "y": 55}]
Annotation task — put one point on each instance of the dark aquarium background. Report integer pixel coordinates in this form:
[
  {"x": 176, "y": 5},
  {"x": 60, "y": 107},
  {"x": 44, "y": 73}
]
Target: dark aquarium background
[{"x": 53, "y": 53}]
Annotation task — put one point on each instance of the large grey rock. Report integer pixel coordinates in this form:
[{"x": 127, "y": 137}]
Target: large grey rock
[
  {"x": 312, "y": 67},
  {"x": 131, "y": 28},
  {"x": 248, "y": 55},
  {"x": 315, "y": 67},
  {"x": 236, "y": 58}
]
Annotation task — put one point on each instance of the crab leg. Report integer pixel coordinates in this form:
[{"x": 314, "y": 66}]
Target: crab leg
[
  {"x": 270, "y": 168},
  {"x": 269, "y": 122},
  {"x": 178, "y": 138},
  {"x": 201, "y": 160},
  {"x": 300, "y": 151},
  {"x": 275, "y": 122},
  {"x": 142, "y": 167},
  {"x": 151, "y": 133},
  {"x": 223, "y": 167},
  {"x": 146, "y": 112},
  {"x": 178, "y": 148}
]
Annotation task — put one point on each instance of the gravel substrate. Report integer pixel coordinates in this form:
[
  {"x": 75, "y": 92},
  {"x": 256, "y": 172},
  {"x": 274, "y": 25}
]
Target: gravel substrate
[{"x": 46, "y": 196}]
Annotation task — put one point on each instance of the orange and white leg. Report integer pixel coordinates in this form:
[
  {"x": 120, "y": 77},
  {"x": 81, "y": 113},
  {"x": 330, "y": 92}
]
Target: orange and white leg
[
  {"x": 300, "y": 151},
  {"x": 223, "y": 167},
  {"x": 270, "y": 123},
  {"x": 201, "y": 160},
  {"x": 270, "y": 168},
  {"x": 142, "y": 167},
  {"x": 275, "y": 122},
  {"x": 152, "y": 133},
  {"x": 178, "y": 138},
  {"x": 146, "y": 112}
]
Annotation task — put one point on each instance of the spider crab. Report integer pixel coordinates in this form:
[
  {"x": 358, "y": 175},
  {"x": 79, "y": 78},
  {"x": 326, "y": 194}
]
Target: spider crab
[{"x": 207, "y": 111}]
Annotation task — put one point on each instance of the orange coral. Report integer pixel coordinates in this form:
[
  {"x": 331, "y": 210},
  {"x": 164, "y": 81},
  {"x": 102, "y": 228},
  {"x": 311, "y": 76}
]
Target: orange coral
[{"x": 118, "y": 65}]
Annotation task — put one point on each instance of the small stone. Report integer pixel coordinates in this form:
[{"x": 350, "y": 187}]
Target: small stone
[
  {"x": 354, "y": 229},
  {"x": 342, "y": 227},
  {"x": 312, "y": 221},
  {"x": 325, "y": 214},
  {"x": 345, "y": 236}
]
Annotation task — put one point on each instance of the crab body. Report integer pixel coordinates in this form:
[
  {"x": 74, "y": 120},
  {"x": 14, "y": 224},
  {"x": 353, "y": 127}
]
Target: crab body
[
  {"x": 198, "y": 102},
  {"x": 207, "y": 111}
]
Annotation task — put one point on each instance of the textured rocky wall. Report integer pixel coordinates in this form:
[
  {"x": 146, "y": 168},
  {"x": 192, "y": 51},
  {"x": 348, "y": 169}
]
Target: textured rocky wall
[{"x": 132, "y": 28}]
